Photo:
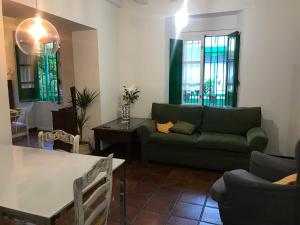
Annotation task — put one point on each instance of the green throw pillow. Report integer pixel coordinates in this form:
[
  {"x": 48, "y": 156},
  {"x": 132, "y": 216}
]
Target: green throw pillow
[{"x": 183, "y": 128}]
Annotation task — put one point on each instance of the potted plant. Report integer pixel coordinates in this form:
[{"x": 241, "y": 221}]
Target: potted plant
[
  {"x": 129, "y": 96},
  {"x": 83, "y": 99}
]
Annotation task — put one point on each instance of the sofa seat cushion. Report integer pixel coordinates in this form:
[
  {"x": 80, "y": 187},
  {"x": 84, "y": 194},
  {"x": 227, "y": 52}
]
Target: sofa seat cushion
[
  {"x": 174, "y": 139},
  {"x": 218, "y": 188},
  {"x": 230, "y": 142}
]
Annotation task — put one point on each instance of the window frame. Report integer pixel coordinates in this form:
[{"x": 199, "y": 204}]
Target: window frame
[
  {"x": 184, "y": 62},
  {"x": 34, "y": 94},
  {"x": 192, "y": 36}
]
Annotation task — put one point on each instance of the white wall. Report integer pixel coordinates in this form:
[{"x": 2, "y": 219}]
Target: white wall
[
  {"x": 5, "y": 131},
  {"x": 67, "y": 65},
  {"x": 40, "y": 113},
  {"x": 268, "y": 70},
  {"x": 102, "y": 16},
  {"x": 144, "y": 45},
  {"x": 207, "y": 24},
  {"x": 295, "y": 90},
  {"x": 268, "y": 67},
  {"x": 10, "y": 25},
  {"x": 86, "y": 68}
]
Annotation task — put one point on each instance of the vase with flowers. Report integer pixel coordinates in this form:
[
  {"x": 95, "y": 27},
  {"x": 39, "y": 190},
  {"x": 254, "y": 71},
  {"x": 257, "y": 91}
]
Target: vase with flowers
[{"x": 129, "y": 96}]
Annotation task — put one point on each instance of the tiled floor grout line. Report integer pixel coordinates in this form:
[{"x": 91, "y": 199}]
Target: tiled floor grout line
[
  {"x": 145, "y": 204},
  {"x": 203, "y": 209},
  {"x": 170, "y": 214},
  {"x": 192, "y": 203},
  {"x": 207, "y": 222},
  {"x": 171, "y": 211}
]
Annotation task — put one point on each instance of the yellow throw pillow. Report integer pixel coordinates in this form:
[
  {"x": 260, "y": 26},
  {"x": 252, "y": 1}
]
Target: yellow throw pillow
[
  {"x": 164, "y": 127},
  {"x": 289, "y": 180}
]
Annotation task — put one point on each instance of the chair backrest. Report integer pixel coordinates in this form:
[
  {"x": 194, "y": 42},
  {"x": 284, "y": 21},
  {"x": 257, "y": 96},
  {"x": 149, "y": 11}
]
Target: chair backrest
[
  {"x": 14, "y": 115},
  {"x": 85, "y": 211},
  {"x": 59, "y": 135}
]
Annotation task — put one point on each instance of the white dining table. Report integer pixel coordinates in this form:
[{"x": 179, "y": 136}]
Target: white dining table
[{"x": 37, "y": 185}]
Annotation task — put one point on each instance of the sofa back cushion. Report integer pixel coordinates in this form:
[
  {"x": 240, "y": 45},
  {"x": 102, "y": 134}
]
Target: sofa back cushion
[
  {"x": 231, "y": 120},
  {"x": 163, "y": 113}
]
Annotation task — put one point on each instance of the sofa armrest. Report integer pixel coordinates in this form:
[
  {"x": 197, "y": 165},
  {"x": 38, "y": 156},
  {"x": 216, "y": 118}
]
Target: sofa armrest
[
  {"x": 257, "y": 139},
  {"x": 270, "y": 167},
  {"x": 145, "y": 130},
  {"x": 257, "y": 202}
]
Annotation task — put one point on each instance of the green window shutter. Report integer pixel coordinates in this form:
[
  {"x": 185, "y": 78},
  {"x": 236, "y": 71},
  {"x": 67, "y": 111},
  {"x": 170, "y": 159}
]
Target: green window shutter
[
  {"x": 27, "y": 77},
  {"x": 175, "y": 76},
  {"x": 232, "y": 71}
]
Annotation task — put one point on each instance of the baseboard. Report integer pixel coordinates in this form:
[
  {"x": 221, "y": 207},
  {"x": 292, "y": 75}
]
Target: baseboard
[
  {"x": 45, "y": 128},
  {"x": 33, "y": 129}
]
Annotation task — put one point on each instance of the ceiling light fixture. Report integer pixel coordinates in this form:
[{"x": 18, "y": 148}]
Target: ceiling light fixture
[
  {"x": 182, "y": 18},
  {"x": 36, "y": 36}
]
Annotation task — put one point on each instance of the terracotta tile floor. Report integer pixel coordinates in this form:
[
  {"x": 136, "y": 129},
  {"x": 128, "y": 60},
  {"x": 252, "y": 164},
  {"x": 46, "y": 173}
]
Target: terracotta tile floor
[{"x": 158, "y": 194}]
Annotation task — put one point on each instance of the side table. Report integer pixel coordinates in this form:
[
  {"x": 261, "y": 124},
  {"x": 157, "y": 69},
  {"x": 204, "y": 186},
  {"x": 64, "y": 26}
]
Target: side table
[{"x": 117, "y": 131}]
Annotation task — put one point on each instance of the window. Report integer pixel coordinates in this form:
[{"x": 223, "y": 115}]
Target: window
[
  {"x": 209, "y": 73},
  {"x": 38, "y": 77},
  {"x": 191, "y": 76},
  {"x": 47, "y": 77},
  {"x": 215, "y": 67}
]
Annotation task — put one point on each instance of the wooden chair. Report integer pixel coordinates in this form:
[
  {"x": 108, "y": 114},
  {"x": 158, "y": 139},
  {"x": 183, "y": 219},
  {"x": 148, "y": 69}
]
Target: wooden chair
[
  {"x": 93, "y": 211},
  {"x": 59, "y": 135},
  {"x": 19, "y": 124}
]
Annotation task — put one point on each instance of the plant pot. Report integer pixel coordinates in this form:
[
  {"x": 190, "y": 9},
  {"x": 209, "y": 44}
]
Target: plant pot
[
  {"x": 125, "y": 113},
  {"x": 85, "y": 148}
]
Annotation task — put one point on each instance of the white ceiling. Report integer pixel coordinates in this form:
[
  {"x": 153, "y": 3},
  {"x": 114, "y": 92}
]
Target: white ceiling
[{"x": 16, "y": 10}]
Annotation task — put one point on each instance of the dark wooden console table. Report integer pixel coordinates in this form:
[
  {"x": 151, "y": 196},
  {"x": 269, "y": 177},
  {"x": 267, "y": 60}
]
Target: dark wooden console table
[
  {"x": 64, "y": 119},
  {"x": 116, "y": 131}
]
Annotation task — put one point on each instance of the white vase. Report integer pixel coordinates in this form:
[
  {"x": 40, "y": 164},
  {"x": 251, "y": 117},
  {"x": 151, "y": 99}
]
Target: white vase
[{"x": 125, "y": 113}]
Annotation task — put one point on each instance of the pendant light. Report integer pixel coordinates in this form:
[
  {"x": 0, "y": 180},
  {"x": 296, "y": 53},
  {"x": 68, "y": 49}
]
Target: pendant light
[{"x": 36, "y": 36}]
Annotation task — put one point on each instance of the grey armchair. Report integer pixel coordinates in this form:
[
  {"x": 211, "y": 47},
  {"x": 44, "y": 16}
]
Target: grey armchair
[{"x": 251, "y": 198}]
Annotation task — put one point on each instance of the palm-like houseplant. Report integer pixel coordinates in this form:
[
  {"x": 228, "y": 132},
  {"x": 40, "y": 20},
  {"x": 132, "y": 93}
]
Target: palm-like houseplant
[{"x": 82, "y": 101}]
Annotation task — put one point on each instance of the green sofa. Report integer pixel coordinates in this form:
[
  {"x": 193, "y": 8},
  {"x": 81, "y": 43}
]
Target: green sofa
[{"x": 224, "y": 138}]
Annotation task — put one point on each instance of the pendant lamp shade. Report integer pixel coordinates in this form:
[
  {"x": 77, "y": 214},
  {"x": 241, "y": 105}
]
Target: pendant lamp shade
[{"x": 36, "y": 36}]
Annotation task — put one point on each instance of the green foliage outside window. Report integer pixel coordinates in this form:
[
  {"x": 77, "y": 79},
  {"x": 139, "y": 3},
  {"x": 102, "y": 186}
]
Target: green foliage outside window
[
  {"x": 208, "y": 87},
  {"x": 38, "y": 77},
  {"x": 47, "y": 76}
]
